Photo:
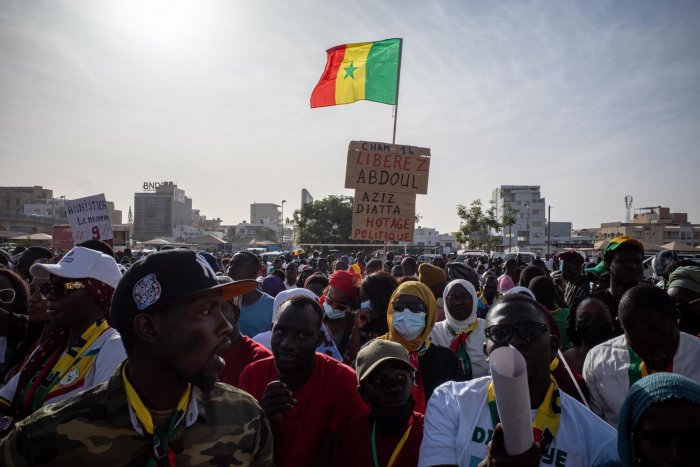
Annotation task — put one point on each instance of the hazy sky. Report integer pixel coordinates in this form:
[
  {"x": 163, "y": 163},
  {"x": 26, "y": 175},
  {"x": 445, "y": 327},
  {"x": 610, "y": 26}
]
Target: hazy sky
[{"x": 592, "y": 100}]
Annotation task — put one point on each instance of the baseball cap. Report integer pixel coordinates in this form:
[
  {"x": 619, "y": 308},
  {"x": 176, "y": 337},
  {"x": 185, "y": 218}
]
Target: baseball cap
[
  {"x": 613, "y": 245},
  {"x": 168, "y": 277},
  {"x": 376, "y": 352},
  {"x": 80, "y": 263}
]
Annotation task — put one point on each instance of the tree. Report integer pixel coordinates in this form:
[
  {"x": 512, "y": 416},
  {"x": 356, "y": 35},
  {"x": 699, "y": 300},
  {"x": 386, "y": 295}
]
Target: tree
[
  {"x": 478, "y": 226},
  {"x": 328, "y": 220},
  {"x": 508, "y": 218}
]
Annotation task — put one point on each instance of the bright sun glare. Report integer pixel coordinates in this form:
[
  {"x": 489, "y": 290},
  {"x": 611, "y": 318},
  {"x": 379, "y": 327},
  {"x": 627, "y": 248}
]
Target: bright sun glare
[{"x": 163, "y": 24}]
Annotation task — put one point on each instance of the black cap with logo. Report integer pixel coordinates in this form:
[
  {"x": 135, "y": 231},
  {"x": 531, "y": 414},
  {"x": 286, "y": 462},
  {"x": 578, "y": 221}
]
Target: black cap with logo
[{"x": 168, "y": 277}]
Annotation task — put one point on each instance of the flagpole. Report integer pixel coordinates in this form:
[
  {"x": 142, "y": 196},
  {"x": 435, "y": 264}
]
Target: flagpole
[
  {"x": 396, "y": 109},
  {"x": 398, "y": 81}
]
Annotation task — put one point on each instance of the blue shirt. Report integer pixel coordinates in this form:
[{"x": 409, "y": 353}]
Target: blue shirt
[{"x": 256, "y": 317}]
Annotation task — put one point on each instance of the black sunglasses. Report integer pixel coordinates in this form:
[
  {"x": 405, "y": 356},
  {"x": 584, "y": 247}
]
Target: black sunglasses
[
  {"x": 529, "y": 331},
  {"x": 59, "y": 289},
  {"x": 7, "y": 295},
  {"x": 412, "y": 306}
]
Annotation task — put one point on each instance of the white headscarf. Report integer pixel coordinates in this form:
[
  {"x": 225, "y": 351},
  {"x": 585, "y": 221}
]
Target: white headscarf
[
  {"x": 287, "y": 294},
  {"x": 453, "y": 323},
  {"x": 521, "y": 290}
]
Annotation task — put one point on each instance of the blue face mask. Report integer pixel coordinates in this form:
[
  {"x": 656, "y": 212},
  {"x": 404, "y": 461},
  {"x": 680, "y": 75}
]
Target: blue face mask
[
  {"x": 332, "y": 313},
  {"x": 366, "y": 305},
  {"x": 408, "y": 324}
]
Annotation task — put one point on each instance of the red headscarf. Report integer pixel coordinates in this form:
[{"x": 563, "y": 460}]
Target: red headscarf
[{"x": 346, "y": 282}]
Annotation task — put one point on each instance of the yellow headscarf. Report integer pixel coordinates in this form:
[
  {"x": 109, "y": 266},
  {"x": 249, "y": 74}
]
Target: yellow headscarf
[{"x": 425, "y": 295}]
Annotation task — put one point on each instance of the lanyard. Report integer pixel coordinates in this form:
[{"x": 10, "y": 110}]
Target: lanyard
[
  {"x": 547, "y": 417},
  {"x": 75, "y": 356},
  {"x": 638, "y": 369},
  {"x": 398, "y": 447},
  {"x": 458, "y": 345},
  {"x": 160, "y": 442}
]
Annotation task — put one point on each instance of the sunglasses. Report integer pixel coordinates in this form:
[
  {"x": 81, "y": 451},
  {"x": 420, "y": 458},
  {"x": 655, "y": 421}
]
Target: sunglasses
[
  {"x": 413, "y": 307},
  {"x": 338, "y": 306},
  {"x": 528, "y": 331},
  {"x": 7, "y": 296},
  {"x": 59, "y": 289}
]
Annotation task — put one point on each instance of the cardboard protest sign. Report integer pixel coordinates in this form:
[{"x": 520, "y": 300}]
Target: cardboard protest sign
[
  {"x": 89, "y": 218},
  {"x": 383, "y": 216},
  {"x": 387, "y": 167}
]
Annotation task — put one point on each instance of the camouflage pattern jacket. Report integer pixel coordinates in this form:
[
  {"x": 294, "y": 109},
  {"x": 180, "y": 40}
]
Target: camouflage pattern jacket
[{"x": 225, "y": 427}]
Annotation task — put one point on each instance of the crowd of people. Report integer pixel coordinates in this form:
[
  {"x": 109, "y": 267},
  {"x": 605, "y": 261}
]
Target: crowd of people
[{"x": 191, "y": 358}]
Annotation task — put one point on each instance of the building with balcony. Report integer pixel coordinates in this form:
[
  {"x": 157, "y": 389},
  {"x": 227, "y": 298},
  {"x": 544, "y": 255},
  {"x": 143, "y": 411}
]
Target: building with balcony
[
  {"x": 526, "y": 206},
  {"x": 657, "y": 225}
]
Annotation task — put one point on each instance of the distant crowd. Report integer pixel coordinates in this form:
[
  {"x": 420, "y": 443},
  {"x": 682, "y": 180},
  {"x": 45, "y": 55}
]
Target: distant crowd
[{"x": 184, "y": 358}]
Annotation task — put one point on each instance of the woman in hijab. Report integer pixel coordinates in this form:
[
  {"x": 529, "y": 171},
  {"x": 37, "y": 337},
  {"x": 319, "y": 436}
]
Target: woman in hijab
[
  {"x": 659, "y": 423},
  {"x": 411, "y": 317},
  {"x": 461, "y": 330}
]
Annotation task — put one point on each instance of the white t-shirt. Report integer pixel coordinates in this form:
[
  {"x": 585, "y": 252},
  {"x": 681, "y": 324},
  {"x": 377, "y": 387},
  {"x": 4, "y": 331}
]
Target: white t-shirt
[
  {"x": 606, "y": 372},
  {"x": 458, "y": 428},
  {"x": 442, "y": 336},
  {"x": 111, "y": 354}
]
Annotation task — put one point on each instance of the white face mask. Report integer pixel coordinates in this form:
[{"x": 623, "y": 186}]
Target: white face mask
[
  {"x": 332, "y": 313},
  {"x": 408, "y": 324}
]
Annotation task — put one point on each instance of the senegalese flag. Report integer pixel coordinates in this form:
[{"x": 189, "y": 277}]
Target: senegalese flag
[{"x": 364, "y": 71}]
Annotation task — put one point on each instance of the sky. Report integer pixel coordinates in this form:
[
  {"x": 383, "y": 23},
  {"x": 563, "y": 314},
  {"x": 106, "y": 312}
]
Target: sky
[{"x": 591, "y": 100}]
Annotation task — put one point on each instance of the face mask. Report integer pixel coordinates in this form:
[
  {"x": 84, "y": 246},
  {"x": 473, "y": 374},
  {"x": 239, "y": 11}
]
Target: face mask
[
  {"x": 408, "y": 324},
  {"x": 332, "y": 313},
  {"x": 366, "y": 305}
]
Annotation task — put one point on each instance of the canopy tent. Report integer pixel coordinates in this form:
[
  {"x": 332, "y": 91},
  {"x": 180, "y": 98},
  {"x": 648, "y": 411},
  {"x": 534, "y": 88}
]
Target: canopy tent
[
  {"x": 648, "y": 247},
  {"x": 36, "y": 237},
  {"x": 678, "y": 246},
  {"x": 207, "y": 239},
  {"x": 157, "y": 242}
]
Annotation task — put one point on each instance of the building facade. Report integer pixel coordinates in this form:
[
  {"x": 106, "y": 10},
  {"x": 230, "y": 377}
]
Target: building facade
[
  {"x": 525, "y": 204},
  {"x": 657, "y": 225},
  {"x": 159, "y": 212},
  {"x": 266, "y": 214},
  {"x": 13, "y": 198}
]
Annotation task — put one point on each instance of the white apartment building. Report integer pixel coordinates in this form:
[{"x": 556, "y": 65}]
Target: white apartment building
[{"x": 527, "y": 206}]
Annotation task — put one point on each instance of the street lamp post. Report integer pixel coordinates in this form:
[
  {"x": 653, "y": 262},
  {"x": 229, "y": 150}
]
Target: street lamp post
[{"x": 282, "y": 225}]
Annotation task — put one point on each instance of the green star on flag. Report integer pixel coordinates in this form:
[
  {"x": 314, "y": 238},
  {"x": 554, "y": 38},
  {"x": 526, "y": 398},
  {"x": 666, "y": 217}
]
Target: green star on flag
[{"x": 349, "y": 71}]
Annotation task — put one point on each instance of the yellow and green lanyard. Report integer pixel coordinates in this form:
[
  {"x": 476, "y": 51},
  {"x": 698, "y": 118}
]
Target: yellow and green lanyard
[
  {"x": 398, "y": 447},
  {"x": 161, "y": 449},
  {"x": 547, "y": 417},
  {"x": 638, "y": 369}
]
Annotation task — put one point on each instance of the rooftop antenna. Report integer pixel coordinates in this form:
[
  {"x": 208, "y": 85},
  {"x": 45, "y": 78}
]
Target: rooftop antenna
[{"x": 628, "y": 205}]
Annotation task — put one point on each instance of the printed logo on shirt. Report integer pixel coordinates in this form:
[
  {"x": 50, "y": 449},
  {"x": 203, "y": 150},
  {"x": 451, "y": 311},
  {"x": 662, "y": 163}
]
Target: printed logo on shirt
[
  {"x": 146, "y": 291},
  {"x": 551, "y": 456},
  {"x": 71, "y": 377}
]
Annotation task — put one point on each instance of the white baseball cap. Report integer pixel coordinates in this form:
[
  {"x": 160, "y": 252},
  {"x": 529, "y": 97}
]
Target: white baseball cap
[{"x": 81, "y": 263}]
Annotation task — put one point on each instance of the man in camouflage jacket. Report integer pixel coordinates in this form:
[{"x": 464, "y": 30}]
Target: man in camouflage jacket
[{"x": 163, "y": 406}]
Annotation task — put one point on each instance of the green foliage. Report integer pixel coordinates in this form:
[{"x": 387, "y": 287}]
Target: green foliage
[
  {"x": 328, "y": 220},
  {"x": 479, "y": 226}
]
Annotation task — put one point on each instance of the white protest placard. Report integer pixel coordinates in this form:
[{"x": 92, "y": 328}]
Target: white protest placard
[{"x": 89, "y": 218}]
